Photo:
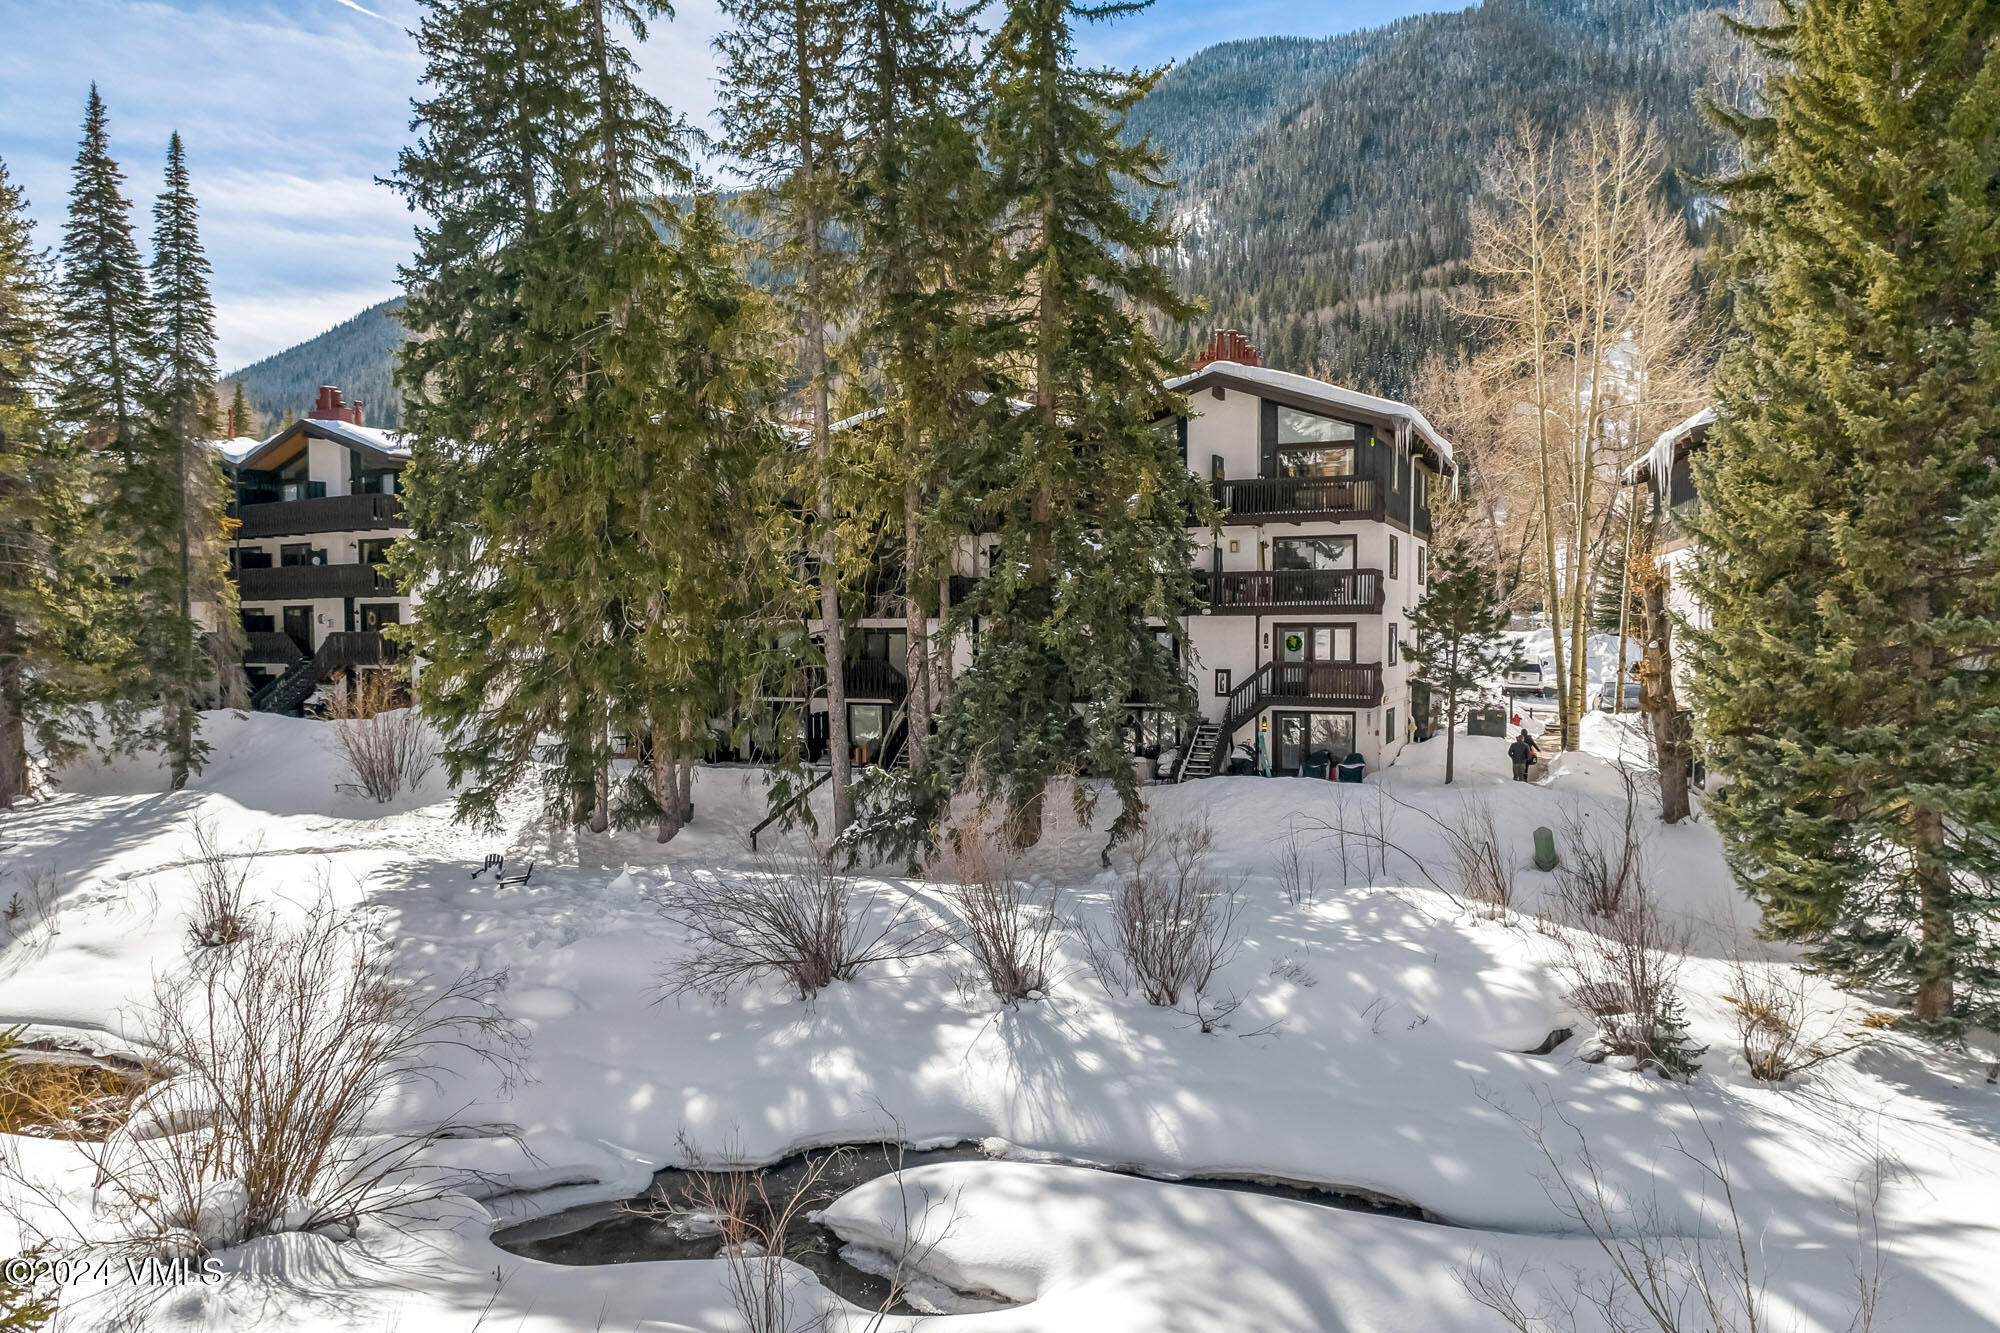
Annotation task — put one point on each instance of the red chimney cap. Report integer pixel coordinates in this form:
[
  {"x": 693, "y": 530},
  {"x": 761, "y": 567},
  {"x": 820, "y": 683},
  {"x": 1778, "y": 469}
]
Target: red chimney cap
[
  {"x": 330, "y": 408},
  {"x": 1229, "y": 345}
]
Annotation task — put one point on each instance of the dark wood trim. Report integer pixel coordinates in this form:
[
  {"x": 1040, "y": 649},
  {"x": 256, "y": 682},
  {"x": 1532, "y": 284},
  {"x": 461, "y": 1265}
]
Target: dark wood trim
[{"x": 1256, "y": 592}]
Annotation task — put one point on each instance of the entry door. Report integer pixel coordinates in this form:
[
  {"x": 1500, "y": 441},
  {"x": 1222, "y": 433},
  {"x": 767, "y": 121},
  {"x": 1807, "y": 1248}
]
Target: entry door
[
  {"x": 299, "y": 624},
  {"x": 1289, "y": 754}
]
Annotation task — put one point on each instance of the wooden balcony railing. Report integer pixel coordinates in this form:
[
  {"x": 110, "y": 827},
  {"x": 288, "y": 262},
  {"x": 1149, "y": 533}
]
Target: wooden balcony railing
[
  {"x": 1300, "y": 497},
  {"x": 1303, "y": 685},
  {"x": 298, "y": 583},
  {"x": 330, "y": 513},
  {"x": 1353, "y": 591},
  {"x": 868, "y": 681}
]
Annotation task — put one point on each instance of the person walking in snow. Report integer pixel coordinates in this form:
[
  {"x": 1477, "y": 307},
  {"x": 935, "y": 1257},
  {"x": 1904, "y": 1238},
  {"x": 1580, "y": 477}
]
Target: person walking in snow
[{"x": 1522, "y": 752}]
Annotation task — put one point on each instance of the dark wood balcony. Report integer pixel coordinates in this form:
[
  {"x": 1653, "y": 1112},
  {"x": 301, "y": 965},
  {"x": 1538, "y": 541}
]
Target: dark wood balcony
[
  {"x": 1299, "y": 498},
  {"x": 1303, "y": 685},
  {"x": 330, "y": 513},
  {"x": 868, "y": 681},
  {"x": 299, "y": 583},
  {"x": 271, "y": 646},
  {"x": 1252, "y": 592}
]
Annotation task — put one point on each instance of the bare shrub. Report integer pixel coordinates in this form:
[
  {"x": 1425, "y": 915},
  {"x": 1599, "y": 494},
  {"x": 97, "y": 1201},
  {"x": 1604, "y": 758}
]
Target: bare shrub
[
  {"x": 61, "y": 1095},
  {"x": 220, "y": 879},
  {"x": 1623, "y": 967},
  {"x": 387, "y": 745},
  {"x": 1603, "y": 859},
  {"x": 1298, "y": 869},
  {"x": 799, "y": 916},
  {"x": 1776, "y": 1030},
  {"x": 1480, "y": 860},
  {"x": 1173, "y": 920},
  {"x": 1008, "y": 927},
  {"x": 1661, "y": 1278},
  {"x": 281, "y": 1048}
]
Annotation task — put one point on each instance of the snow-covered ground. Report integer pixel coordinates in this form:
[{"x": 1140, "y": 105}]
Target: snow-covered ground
[{"x": 1380, "y": 1045}]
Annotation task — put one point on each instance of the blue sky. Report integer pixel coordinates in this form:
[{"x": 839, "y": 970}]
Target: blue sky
[{"x": 291, "y": 108}]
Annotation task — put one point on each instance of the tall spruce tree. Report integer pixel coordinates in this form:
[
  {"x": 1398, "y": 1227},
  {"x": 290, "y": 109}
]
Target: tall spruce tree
[
  {"x": 51, "y": 589},
  {"x": 166, "y": 496},
  {"x": 242, "y": 417},
  {"x": 1455, "y": 638},
  {"x": 1086, "y": 490},
  {"x": 1850, "y": 503},
  {"x": 497, "y": 127},
  {"x": 557, "y": 401},
  {"x": 919, "y": 205},
  {"x": 785, "y": 116},
  {"x": 711, "y": 536},
  {"x": 101, "y": 310}
]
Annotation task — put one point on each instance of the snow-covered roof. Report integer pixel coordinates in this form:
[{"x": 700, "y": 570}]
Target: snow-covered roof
[
  {"x": 368, "y": 437},
  {"x": 1659, "y": 460},
  {"x": 238, "y": 449},
  {"x": 1332, "y": 396},
  {"x": 383, "y": 443}
]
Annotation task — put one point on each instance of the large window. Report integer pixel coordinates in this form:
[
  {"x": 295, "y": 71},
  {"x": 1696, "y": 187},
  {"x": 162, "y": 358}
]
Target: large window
[
  {"x": 1312, "y": 553},
  {"x": 1314, "y": 446}
]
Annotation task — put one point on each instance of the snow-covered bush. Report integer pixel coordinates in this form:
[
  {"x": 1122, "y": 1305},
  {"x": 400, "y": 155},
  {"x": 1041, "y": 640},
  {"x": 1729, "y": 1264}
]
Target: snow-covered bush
[
  {"x": 1603, "y": 860},
  {"x": 800, "y": 916},
  {"x": 1775, "y": 1026},
  {"x": 280, "y": 1048},
  {"x": 219, "y": 915},
  {"x": 1173, "y": 919},
  {"x": 1008, "y": 927},
  {"x": 1484, "y": 867},
  {"x": 1623, "y": 967},
  {"x": 388, "y": 747}
]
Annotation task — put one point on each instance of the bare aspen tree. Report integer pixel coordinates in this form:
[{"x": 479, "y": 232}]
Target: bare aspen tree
[{"x": 1592, "y": 300}]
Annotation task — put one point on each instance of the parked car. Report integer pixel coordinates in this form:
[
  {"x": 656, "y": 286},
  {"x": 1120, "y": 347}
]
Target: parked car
[
  {"x": 1524, "y": 681},
  {"x": 1604, "y": 696}
]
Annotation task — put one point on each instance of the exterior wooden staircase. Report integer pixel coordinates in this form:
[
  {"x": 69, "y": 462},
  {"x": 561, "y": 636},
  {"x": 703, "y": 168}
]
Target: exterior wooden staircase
[
  {"x": 1198, "y": 759},
  {"x": 337, "y": 652},
  {"x": 1303, "y": 685}
]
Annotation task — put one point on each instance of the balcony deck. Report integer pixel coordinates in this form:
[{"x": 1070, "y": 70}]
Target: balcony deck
[
  {"x": 1253, "y": 592},
  {"x": 1300, "y": 498},
  {"x": 300, "y": 583},
  {"x": 329, "y": 513}
]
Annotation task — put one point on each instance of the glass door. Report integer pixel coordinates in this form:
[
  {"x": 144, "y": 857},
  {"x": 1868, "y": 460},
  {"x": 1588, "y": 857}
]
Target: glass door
[{"x": 1289, "y": 752}]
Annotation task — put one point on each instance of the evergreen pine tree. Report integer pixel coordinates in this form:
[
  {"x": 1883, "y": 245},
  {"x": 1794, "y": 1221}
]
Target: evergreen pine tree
[
  {"x": 1455, "y": 640},
  {"x": 242, "y": 417},
  {"x": 164, "y": 494},
  {"x": 50, "y": 579},
  {"x": 920, "y": 210},
  {"x": 101, "y": 310},
  {"x": 1850, "y": 504},
  {"x": 1086, "y": 491},
  {"x": 583, "y": 398},
  {"x": 784, "y": 113}
]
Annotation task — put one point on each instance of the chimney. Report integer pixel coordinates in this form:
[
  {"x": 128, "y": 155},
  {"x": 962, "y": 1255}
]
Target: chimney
[
  {"x": 330, "y": 408},
  {"x": 1229, "y": 345}
]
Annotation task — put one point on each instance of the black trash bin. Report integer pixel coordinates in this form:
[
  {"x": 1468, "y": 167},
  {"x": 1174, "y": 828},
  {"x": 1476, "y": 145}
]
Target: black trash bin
[
  {"x": 1351, "y": 767},
  {"x": 1319, "y": 764}
]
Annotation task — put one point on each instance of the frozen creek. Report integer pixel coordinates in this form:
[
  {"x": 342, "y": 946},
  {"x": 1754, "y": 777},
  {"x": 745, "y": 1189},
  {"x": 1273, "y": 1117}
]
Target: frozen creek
[{"x": 644, "y": 1228}]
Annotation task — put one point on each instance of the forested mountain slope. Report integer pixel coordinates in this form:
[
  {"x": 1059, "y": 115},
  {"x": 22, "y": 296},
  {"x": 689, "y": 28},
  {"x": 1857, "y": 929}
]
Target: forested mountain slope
[
  {"x": 1326, "y": 183},
  {"x": 1333, "y": 224},
  {"x": 358, "y": 356}
]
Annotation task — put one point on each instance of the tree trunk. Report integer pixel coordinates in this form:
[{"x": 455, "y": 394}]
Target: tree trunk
[
  {"x": 13, "y": 726},
  {"x": 1936, "y": 962},
  {"x": 1624, "y": 609},
  {"x": 1671, "y": 748},
  {"x": 181, "y": 698},
  {"x": 915, "y": 632},
  {"x": 1450, "y": 727}
]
